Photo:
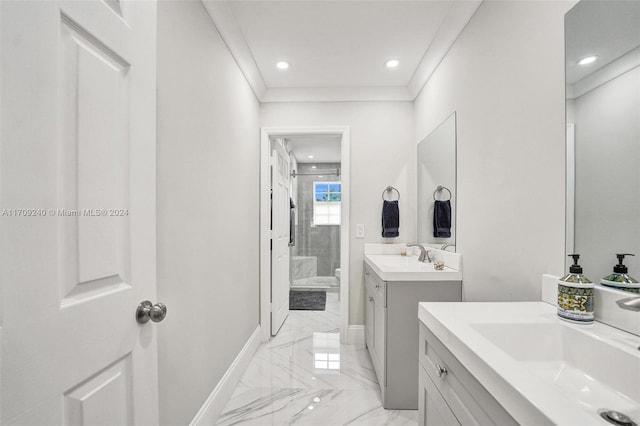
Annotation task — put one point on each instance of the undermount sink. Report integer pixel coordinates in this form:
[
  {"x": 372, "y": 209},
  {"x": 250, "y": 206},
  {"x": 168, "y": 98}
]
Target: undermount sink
[
  {"x": 408, "y": 268},
  {"x": 600, "y": 370},
  {"x": 540, "y": 368}
]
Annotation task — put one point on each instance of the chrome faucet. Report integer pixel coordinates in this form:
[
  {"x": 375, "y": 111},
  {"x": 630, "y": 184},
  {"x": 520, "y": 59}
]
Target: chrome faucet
[
  {"x": 630, "y": 303},
  {"x": 424, "y": 253},
  {"x": 445, "y": 245}
]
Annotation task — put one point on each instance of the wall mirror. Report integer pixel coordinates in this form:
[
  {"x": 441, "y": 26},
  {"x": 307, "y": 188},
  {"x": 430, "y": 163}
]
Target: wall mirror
[
  {"x": 602, "y": 45},
  {"x": 437, "y": 168}
]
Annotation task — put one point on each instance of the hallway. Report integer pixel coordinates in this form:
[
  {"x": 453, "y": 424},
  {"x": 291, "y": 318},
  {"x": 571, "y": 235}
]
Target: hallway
[{"x": 305, "y": 376}]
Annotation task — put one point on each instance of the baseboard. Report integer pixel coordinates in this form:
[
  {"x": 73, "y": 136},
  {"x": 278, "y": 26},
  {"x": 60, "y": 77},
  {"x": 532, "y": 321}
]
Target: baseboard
[
  {"x": 215, "y": 403},
  {"x": 355, "y": 335}
]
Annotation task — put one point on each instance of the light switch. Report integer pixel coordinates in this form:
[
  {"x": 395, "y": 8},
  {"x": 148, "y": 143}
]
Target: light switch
[{"x": 360, "y": 230}]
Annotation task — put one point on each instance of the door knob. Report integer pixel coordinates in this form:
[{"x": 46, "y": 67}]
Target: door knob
[{"x": 147, "y": 311}]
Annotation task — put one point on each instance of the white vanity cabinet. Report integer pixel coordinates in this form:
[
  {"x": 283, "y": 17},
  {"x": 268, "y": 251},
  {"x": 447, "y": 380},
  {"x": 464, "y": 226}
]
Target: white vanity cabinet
[
  {"x": 391, "y": 332},
  {"x": 448, "y": 394}
]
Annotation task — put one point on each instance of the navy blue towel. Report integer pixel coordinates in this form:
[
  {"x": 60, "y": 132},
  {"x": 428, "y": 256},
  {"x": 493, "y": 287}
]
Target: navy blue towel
[
  {"x": 390, "y": 219},
  {"x": 442, "y": 219}
]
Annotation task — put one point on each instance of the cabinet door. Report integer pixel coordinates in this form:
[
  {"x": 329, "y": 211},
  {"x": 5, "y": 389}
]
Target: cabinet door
[
  {"x": 368, "y": 319},
  {"x": 432, "y": 409},
  {"x": 379, "y": 319}
]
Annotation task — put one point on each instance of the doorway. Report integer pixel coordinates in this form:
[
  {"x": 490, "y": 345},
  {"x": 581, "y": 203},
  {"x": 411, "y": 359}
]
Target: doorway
[{"x": 319, "y": 190}]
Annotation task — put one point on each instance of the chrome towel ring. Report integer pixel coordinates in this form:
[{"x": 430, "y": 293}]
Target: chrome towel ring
[
  {"x": 390, "y": 189},
  {"x": 439, "y": 189}
]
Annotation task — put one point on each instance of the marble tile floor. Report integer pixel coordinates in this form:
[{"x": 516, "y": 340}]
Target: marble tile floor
[
  {"x": 316, "y": 282},
  {"x": 304, "y": 376}
]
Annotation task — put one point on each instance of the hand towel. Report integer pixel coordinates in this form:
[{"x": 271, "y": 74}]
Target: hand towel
[
  {"x": 390, "y": 219},
  {"x": 442, "y": 219}
]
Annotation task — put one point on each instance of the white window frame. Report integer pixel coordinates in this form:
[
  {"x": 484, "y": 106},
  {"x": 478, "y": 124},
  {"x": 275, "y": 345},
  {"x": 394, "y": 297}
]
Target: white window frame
[{"x": 332, "y": 217}]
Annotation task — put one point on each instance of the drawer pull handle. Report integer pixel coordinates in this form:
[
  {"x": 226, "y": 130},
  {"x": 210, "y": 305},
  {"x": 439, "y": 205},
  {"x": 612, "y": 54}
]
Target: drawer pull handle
[
  {"x": 442, "y": 371},
  {"x": 370, "y": 298}
]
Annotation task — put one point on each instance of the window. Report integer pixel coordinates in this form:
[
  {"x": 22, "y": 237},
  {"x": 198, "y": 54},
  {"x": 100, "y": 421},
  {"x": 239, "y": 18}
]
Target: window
[{"x": 326, "y": 203}]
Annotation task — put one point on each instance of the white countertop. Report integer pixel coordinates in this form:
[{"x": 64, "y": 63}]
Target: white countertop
[
  {"x": 540, "y": 380},
  {"x": 408, "y": 268}
]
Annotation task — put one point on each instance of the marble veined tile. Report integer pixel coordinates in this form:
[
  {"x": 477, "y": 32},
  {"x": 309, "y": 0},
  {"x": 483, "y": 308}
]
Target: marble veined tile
[{"x": 304, "y": 376}]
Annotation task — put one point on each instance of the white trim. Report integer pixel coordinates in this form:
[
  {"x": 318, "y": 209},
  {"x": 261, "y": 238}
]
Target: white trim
[
  {"x": 336, "y": 94},
  {"x": 607, "y": 73},
  {"x": 223, "y": 19},
  {"x": 355, "y": 335},
  {"x": 210, "y": 411},
  {"x": 570, "y": 190},
  {"x": 265, "y": 219},
  {"x": 450, "y": 29}
]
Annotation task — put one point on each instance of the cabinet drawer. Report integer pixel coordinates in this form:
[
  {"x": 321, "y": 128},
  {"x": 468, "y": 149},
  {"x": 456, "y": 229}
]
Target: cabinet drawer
[
  {"x": 432, "y": 408},
  {"x": 470, "y": 402},
  {"x": 378, "y": 286}
]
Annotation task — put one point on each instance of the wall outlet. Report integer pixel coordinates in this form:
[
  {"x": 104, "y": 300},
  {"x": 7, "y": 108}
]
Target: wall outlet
[{"x": 360, "y": 230}]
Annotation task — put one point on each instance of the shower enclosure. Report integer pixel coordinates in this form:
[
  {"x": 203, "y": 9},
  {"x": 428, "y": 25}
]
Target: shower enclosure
[{"x": 315, "y": 255}]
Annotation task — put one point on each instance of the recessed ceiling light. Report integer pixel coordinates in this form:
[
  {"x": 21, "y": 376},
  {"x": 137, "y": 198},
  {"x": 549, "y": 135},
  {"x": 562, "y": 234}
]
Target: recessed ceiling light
[
  {"x": 282, "y": 65},
  {"x": 313, "y": 167},
  {"x": 309, "y": 156},
  {"x": 320, "y": 176},
  {"x": 588, "y": 60},
  {"x": 392, "y": 63}
]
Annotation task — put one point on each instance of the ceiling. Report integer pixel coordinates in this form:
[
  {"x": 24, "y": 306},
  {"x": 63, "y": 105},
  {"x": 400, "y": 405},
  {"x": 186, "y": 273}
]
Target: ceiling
[
  {"x": 608, "y": 30},
  {"x": 337, "y": 49},
  {"x": 323, "y": 148}
]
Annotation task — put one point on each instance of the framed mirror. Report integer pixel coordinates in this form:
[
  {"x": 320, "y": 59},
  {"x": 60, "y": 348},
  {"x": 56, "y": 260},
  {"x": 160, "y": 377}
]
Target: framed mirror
[
  {"x": 437, "y": 181},
  {"x": 602, "y": 42}
]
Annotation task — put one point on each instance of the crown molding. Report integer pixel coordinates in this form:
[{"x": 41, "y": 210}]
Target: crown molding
[
  {"x": 451, "y": 27},
  {"x": 605, "y": 74},
  {"x": 336, "y": 94},
  {"x": 223, "y": 19}
]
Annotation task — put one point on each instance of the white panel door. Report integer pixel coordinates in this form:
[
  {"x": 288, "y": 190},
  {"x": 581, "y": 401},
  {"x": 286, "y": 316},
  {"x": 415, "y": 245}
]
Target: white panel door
[
  {"x": 280, "y": 205},
  {"x": 77, "y": 195}
]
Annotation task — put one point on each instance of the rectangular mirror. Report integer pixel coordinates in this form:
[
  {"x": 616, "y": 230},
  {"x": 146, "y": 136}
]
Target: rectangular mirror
[
  {"x": 437, "y": 168},
  {"x": 602, "y": 41}
]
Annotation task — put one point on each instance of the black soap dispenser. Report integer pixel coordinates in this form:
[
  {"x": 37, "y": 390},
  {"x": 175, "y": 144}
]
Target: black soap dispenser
[
  {"x": 575, "y": 295},
  {"x": 619, "y": 279}
]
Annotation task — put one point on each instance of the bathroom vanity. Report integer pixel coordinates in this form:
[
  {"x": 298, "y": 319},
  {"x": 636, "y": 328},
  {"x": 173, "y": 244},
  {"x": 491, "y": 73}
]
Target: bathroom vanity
[
  {"x": 518, "y": 363},
  {"x": 393, "y": 287}
]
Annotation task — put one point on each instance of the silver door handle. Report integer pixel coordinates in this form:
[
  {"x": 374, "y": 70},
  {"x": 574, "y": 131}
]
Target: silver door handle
[
  {"x": 147, "y": 311},
  {"x": 370, "y": 298}
]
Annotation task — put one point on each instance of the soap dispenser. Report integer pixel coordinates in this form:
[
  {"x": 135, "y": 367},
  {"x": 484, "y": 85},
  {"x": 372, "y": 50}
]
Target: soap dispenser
[
  {"x": 575, "y": 295},
  {"x": 619, "y": 279}
]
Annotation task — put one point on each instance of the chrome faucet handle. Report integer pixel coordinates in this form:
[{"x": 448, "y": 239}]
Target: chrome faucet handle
[{"x": 630, "y": 303}]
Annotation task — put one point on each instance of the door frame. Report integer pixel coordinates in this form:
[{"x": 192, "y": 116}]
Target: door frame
[{"x": 265, "y": 219}]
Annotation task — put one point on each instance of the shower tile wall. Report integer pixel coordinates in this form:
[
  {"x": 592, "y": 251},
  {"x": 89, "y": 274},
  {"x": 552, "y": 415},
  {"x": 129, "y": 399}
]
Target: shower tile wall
[{"x": 321, "y": 241}]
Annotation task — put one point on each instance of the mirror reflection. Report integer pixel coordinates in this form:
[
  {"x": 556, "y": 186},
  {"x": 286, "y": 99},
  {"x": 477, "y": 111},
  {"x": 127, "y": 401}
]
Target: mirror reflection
[
  {"x": 603, "y": 135},
  {"x": 436, "y": 185}
]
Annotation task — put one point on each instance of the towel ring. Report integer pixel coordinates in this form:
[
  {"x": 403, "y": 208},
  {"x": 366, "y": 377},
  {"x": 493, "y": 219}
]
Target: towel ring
[
  {"x": 389, "y": 189},
  {"x": 439, "y": 189}
]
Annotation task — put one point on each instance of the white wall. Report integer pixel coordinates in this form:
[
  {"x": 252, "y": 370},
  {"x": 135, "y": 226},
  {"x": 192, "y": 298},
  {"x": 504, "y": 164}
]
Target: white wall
[
  {"x": 505, "y": 78},
  {"x": 208, "y": 189},
  {"x": 382, "y": 154},
  {"x": 607, "y": 175}
]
